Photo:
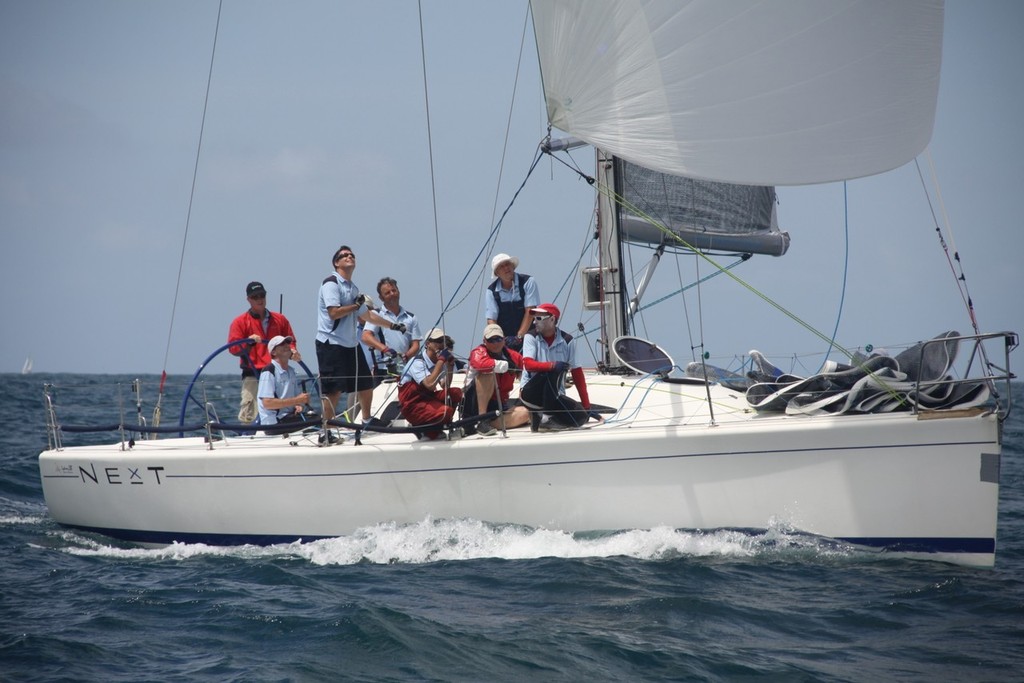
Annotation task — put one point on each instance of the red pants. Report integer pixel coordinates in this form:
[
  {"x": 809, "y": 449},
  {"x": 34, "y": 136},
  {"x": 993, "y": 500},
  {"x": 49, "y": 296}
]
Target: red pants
[{"x": 423, "y": 408}]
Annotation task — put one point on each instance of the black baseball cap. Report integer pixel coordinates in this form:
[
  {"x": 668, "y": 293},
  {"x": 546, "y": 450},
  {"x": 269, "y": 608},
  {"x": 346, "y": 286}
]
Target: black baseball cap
[{"x": 254, "y": 288}]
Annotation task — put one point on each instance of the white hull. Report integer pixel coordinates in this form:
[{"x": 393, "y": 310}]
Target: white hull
[{"x": 890, "y": 481}]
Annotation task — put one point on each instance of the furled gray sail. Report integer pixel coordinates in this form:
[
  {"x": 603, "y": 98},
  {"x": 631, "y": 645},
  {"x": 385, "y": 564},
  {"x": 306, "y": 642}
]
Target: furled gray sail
[
  {"x": 919, "y": 377},
  {"x": 711, "y": 216}
]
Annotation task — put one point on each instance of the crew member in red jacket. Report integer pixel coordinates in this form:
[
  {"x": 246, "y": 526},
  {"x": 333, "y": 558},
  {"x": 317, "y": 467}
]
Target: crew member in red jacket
[
  {"x": 493, "y": 368},
  {"x": 258, "y": 325}
]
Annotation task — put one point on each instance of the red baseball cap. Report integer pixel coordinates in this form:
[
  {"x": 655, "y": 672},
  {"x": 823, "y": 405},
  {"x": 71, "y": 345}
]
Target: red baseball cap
[{"x": 549, "y": 309}]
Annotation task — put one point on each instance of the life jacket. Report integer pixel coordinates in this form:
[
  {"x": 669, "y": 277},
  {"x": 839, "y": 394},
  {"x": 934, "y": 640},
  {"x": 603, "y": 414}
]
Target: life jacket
[
  {"x": 334, "y": 279},
  {"x": 510, "y": 313},
  {"x": 565, "y": 335},
  {"x": 273, "y": 371}
]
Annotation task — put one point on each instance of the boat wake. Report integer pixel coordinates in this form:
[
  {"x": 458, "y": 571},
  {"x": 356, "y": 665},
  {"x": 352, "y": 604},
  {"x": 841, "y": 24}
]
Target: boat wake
[{"x": 448, "y": 540}]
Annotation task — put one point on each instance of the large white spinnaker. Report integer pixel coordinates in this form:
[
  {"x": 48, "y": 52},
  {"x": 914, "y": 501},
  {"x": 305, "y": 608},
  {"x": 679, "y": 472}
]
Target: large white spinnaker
[{"x": 758, "y": 92}]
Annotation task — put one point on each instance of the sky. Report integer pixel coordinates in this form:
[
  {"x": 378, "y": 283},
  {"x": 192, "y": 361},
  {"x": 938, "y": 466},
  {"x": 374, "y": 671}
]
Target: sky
[{"x": 317, "y": 134}]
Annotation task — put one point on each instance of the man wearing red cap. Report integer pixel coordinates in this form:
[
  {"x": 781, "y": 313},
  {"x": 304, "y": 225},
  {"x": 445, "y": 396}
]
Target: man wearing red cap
[
  {"x": 548, "y": 353},
  {"x": 256, "y": 326}
]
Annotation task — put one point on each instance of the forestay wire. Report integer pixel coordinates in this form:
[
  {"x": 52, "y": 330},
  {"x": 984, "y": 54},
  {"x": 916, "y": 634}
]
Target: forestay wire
[
  {"x": 188, "y": 216},
  {"x": 961, "y": 278}
]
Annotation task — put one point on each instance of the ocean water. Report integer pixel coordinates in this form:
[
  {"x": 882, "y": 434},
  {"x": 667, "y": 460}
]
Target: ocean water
[{"x": 447, "y": 600}]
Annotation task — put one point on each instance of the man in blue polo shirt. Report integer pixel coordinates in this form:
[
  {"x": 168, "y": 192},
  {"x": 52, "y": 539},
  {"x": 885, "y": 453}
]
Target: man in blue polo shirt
[
  {"x": 390, "y": 349},
  {"x": 548, "y": 353},
  {"x": 509, "y": 299},
  {"x": 340, "y": 308},
  {"x": 279, "y": 395}
]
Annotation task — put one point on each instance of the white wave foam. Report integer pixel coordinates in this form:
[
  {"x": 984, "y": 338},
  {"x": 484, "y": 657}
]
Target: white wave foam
[
  {"x": 21, "y": 520},
  {"x": 451, "y": 540}
]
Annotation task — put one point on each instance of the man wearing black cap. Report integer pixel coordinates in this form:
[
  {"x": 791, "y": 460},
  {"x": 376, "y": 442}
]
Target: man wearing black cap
[{"x": 256, "y": 326}]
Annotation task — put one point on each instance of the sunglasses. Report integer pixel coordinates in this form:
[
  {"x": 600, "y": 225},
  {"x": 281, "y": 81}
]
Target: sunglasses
[
  {"x": 346, "y": 254},
  {"x": 541, "y": 316},
  {"x": 494, "y": 340}
]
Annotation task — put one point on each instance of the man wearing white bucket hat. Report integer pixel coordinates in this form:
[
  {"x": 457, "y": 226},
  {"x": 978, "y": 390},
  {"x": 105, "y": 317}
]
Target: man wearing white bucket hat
[{"x": 510, "y": 298}]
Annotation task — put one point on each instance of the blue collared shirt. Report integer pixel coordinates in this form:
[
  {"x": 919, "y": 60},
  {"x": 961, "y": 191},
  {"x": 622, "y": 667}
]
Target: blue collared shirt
[
  {"x": 281, "y": 383},
  {"x": 531, "y": 296},
  {"x": 340, "y": 293},
  {"x": 393, "y": 339},
  {"x": 536, "y": 348},
  {"x": 420, "y": 367}
]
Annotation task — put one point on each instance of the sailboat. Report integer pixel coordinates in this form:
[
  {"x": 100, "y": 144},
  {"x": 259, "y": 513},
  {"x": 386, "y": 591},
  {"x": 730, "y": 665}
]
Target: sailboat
[
  {"x": 26, "y": 368},
  {"x": 713, "y": 104}
]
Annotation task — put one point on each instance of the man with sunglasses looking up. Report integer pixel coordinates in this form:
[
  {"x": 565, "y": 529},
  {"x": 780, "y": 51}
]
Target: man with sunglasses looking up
[
  {"x": 257, "y": 325},
  {"x": 340, "y": 307}
]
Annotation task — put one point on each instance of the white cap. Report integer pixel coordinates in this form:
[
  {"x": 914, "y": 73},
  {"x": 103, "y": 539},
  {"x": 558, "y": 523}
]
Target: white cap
[
  {"x": 277, "y": 341},
  {"x": 436, "y": 334},
  {"x": 501, "y": 258}
]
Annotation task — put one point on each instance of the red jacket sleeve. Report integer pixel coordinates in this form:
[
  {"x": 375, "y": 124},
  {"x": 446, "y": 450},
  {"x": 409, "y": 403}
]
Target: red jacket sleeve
[
  {"x": 286, "y": 328},
  {"x": 580, "y": 382},
  {"x": 480, "y": 360},
  {"x": 517, "y": 358},
  {"x": 235, "y": 332},
  {"x": 532, "y": 365}
]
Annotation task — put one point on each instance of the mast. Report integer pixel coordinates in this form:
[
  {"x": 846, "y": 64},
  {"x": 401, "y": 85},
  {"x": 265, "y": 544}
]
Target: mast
[{"x": 612, "y": 284}]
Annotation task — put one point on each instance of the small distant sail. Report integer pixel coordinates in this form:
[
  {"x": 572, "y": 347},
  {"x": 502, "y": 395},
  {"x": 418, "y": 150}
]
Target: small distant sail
[{"x": 27, "y": 367}]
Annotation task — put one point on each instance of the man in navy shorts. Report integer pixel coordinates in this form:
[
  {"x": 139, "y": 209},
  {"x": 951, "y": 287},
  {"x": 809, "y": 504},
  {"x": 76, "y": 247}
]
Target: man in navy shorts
[{"x": 342, "y": 365}]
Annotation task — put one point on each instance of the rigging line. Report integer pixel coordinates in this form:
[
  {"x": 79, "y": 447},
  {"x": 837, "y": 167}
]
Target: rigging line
[
  {"x": 700, "y": 303},
  {"x": 574, "y": 168},
  {"x": 686, "y": 307},
  {"x": 746, "y": 285},
  {"x": 501, "y": 165},
  {"x": 430, "y": 155},
  {"x": 572, "y": 270},
  {"x": 686, "y": 287},
  {"x": 449, "y": 305},
  {"x": 961, "y": 279},
  {"x": 846, "y": 267},
  {"x": 694, "y": 283},
  {"x": 192, "y": 193},
  {"x": 740, "y": 281}
]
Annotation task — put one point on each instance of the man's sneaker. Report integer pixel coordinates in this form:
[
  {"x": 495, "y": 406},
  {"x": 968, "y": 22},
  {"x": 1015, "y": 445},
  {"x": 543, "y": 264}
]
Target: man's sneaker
[
  {"x": 535, "y": 420},
  {"x": 485, "y": 428},
  {"x": 328, "y": 437},
  {"x": 550, "y": 425}
]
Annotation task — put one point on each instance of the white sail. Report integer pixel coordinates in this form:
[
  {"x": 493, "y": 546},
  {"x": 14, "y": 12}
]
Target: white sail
[{"x": 745, "y": 91}]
